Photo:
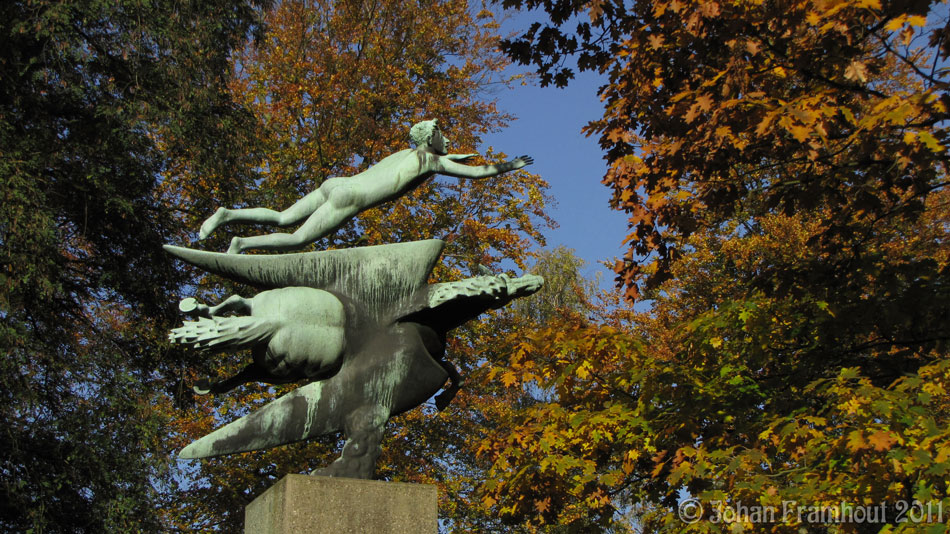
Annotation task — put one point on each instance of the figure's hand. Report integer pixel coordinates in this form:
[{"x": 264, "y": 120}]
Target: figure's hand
[
  {"x": 461, "y": 158},
  {"x": 521, "y": 161}
]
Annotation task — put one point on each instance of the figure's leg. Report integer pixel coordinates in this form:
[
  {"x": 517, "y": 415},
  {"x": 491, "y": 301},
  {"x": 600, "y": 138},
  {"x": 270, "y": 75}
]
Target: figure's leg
[
  {"x": 328, "y": 217},
  {"x": 292, "y": 215},
  {"x": 280, "y": 242},
  {"x": 364, "y": 432}
]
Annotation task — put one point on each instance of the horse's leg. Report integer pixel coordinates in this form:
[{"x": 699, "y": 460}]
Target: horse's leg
[
  {"x": 190, "y": 306},
  {"x": 363, "y": 429},
  {"x": 251, "y": 373},
  {"x": 443, "y": 399},
  {"x": 234, "y": 303}
]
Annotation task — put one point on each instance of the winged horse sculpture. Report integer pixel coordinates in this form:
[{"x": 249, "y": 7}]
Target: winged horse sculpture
[{"x": 360, "y": 325}]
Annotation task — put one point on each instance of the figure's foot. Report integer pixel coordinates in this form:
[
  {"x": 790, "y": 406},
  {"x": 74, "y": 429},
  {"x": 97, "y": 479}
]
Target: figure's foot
[
  {"x": 235, "y": 247},
  {"x": 212, "y": 223},
  {"x": 191, "y": 306}
]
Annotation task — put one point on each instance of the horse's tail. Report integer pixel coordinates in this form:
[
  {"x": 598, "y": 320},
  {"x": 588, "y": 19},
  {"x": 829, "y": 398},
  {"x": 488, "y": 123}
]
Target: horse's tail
[{"x": 221, "y": 333}]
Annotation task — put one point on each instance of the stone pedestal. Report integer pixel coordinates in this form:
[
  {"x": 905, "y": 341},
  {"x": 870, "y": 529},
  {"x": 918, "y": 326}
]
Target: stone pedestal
[{"x": 303, "y": 504}]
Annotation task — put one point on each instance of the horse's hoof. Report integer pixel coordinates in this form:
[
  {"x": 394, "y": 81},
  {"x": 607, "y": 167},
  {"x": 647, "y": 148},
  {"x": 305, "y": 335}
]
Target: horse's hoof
[
  {"x": 202, "y": 387},
  {"x": 188, "y": 305}
]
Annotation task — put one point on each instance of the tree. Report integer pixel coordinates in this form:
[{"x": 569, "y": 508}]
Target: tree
[
  {"x": 802, "y": 105},
  {"x": 732, "y": 395},
  {"x": 335, "y": 87},
  {"x": 785, "y": 172},
  {"x": 83, "y": 88}
]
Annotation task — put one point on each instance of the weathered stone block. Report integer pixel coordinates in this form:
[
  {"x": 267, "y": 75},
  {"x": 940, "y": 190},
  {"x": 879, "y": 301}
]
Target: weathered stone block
[{"x": 302, "y": 504}]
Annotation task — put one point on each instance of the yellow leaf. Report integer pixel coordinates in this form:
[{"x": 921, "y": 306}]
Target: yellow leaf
[
  {"x": 856, "y": 71},
  {"x": 882, "y": 440},
  {"x": 542, "y": 505},
  {"x": 799, "y": 132},
  {"x": 930, "y": 141},
  {"x": 508, "y": 378},
  {"x": 692, "y": 113},
  {"x": 583, "y": 370},
  {"x": 896, "y": 23},
  {"x": 856, "y": 441},
  {"x": 764, "y": 124},
  {"x": 917, "y": 20},
  {"x": 849, "y": 115},
  {"x": 906, "y": 35},
  {"x": 704, "y": 102}
]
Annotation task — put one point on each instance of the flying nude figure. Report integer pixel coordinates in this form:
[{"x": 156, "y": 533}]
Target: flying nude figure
[{"x": 338, "y": 199}]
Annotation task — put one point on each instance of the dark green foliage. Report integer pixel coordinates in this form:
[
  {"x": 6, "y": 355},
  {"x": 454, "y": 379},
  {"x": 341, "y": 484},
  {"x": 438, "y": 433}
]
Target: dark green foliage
[{"x": 93, "y": 96}]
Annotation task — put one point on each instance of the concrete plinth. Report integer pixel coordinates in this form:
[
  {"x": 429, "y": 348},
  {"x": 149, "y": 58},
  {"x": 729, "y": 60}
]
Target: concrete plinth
[{"x": 303, "y": 504}]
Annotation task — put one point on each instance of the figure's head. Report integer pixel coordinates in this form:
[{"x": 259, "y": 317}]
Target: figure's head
[{"x": 427, "y": 133}]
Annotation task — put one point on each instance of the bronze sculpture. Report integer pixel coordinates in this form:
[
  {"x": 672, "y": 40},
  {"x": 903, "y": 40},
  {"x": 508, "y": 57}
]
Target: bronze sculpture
[{"x": 360, "y": 324}]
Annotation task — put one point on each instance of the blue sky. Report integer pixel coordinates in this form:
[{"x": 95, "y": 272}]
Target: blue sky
[{"x": 548, "y": 128}]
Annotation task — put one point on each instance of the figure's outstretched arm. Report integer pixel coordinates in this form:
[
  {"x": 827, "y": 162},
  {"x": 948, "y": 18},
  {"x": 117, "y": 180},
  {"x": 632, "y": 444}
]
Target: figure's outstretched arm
[
  {"x": 448, "y": 167},
  {"x": 461, "y": 158}
]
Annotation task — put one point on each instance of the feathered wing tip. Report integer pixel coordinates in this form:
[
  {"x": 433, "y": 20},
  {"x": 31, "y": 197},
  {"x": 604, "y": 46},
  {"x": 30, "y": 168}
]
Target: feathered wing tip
[{"x": 219, "y": 333}]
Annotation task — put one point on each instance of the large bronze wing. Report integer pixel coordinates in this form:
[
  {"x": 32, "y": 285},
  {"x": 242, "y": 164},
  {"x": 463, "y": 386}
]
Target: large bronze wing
[{"x": 382, "y": 277}]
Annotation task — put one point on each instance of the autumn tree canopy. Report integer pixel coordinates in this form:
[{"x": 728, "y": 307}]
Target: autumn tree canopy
[
  {"x": 784, "y": 168},
  {"x": 795, "y": 105}
]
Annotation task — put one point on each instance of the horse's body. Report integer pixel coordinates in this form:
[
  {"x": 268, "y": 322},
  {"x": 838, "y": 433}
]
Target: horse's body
[{"x": 294, "y": 333}]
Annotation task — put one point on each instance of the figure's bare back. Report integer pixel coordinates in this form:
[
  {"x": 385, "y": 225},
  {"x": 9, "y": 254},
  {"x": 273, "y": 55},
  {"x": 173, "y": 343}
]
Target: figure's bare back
[{"x": 393, "y": 176}]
